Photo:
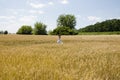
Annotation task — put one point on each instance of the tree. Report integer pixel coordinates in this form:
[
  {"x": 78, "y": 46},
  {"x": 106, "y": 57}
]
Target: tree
[
  {"x": 64, "y": 31},
  {"x": 39, "y": 29},
  {"x": 61, "y": 31},
  {"x": 66, "y": 21},
  {"x": 6, "y": 32},
  {"x": 25, "y": 30},
  {"x": 1, "y": 32}
]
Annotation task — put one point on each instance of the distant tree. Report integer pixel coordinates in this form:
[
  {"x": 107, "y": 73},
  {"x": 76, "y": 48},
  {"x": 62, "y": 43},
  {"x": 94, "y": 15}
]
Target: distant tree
[
  {"x": 25, "y": 30},
  {"x": 6, "y": 32},
  {"x": 39, "y": 29},
  {"x": 50, "y": 32},
  {"x": 105, "y": 26},
  {"x": 66, "y": 21},
  {"x": 1, "y": 32}
]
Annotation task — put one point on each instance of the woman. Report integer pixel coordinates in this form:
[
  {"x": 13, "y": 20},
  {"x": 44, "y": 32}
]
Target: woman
[{"x": 59, "y": 41}]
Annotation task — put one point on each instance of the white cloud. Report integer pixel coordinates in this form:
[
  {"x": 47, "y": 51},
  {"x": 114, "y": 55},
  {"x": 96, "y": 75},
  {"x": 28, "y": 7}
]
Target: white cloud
[
  {"x": 94, "y": 18},
  {"x": 78, "y": 16},
  {"x": 114, "y": 18},
  {"x": 37, "y": 4},
  {"x": 40, "y": 5},
  {"x": 64, "y": 1},
  {"x": 50, "y": 3},
  {"x": 12, "y": 11},
  {"x": 7, "y": 17},
  {"x": 27, "y": 19},
  {"x": 12, "y": 25},
  {"x": 36, "y": 12},
  {"x": 12, "y": 21},
  {"x": 15, "y": 13}
]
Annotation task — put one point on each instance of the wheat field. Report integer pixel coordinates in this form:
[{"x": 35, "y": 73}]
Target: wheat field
[{"x": 86, "y": 57}]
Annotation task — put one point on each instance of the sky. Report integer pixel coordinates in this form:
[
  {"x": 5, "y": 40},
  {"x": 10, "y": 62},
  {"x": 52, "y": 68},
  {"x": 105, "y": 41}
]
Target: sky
[{"x": 15, "y": 13}]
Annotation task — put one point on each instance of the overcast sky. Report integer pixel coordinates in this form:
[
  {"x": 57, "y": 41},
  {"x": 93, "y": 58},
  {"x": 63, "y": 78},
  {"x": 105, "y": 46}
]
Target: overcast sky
[{"x": 15, "y": 13}]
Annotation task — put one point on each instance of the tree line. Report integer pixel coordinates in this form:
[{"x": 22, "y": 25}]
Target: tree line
[
  {"x": 4, "y": 32},
  {"x": 39, "y": 29},
  {"x": 105, "y": 26},
  {"x": 66, "y": 26}
]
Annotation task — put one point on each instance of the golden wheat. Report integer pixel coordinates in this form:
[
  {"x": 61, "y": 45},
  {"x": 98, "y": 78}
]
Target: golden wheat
[{"x": 24, "y": 57}]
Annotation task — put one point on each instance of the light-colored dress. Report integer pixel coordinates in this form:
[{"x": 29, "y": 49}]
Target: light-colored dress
[{"x": 59, "y": 41}]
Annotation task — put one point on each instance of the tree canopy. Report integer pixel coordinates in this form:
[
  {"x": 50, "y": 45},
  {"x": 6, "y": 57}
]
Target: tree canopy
[
  {"x": 5, "y": 32},
  {"x": 66, "y": 21},
  {"x": 25, "y": 30},
  {"x": 64, "y": 31},
  {"x": 39, "y": 29}
]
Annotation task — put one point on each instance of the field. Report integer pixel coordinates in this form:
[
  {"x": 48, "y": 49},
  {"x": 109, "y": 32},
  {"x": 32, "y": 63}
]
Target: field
[{"x": 83, "y": 57}]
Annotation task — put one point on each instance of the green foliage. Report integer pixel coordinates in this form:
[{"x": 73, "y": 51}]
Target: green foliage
[
  {"x": 67, "y": 21},
  {"x": 6, "y": 32},
  {"x": 39, "y": 29},
  {"x": 66, "y": 25},
  {"x": 100, "y": 33},
  {"x": 64, "y": 31},
  {"x": 25, "y": 30},
  {"x": 50, "y": 32},
  {"x": 105, "y": 26}
]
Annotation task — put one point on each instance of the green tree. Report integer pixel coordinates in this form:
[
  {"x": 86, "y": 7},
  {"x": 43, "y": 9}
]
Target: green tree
[
  {"x": 25, "y": 30},
  {"x": 39, "y": 29},
  {"x": 66, "y": 21},
  {"x": 6, "y": 32},
  {"x": 64, "y": 31}
]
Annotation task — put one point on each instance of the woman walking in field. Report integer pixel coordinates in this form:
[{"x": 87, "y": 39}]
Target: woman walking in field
[{"x": 59, "y": 41}]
